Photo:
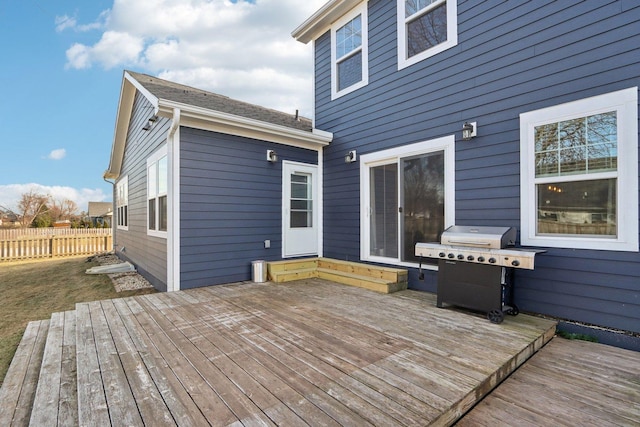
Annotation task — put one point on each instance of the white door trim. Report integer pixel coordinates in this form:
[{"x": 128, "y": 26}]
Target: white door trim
[{"x": 288, "y": 250}]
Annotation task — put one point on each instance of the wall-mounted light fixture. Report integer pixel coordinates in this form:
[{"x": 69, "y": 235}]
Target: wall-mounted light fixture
[
  {"x": 469, "y": 130},
  {"x": 272, "y": 156},
  {"x": 150, "y": 122},
  {"x": 351, "y": 157}
]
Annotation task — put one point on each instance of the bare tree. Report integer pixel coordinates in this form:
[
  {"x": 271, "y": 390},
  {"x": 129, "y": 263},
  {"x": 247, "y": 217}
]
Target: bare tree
[
  {"x": 30, "y": 206},
  {"x": 62, "y": 209}
]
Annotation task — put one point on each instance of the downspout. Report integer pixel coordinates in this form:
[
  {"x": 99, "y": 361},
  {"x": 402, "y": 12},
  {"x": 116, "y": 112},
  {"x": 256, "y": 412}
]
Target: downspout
[
  {"x": 173, "y": 207},
  {"x": 113, "y": 222}
]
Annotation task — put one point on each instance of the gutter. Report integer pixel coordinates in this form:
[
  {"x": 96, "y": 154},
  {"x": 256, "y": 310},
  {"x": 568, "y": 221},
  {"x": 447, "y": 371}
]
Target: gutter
[{"x": 217, "y": 121}]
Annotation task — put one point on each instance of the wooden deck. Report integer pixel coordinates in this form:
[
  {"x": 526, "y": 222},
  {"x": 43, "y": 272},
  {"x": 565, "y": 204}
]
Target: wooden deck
[
  {"x": 567, "y": 383},
  {"x": 309, "y": 352}
]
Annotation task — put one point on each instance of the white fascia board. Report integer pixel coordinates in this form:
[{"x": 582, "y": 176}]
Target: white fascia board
[
  {"x": 321, "y": 21},
  {"x": 123, "y": 115},
  {"x": 150, "y": 97},
  {"x": 216, "y": 121}
]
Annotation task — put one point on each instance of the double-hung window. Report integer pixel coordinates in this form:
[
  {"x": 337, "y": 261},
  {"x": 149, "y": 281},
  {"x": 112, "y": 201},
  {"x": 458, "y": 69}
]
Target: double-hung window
[
  {"x": 122, "y": 203},
  {"x": 425, "y": 28},
  {"x": 349, "y": 54},
  {"x": 579, "y": 173},
  {"x": 157, "y": 193},
  {"x": 407, "y": 196}
]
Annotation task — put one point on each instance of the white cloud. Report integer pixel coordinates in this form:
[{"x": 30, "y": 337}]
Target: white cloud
[
  {"x": 64, "y": 22},
  {"x": 113, "y": 49},
  {"x": 243, "y": 49},
  {"x": 58, "y": 154},
  {"x": 10, "y": 195}
]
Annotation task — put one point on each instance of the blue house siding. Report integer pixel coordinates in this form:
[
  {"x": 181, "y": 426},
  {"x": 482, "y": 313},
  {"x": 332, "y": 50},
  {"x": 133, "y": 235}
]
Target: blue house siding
[
  {"x": 511, "y": 58},
  {"x": 231, "y": 202},
  {"x": 147, "y": 253}
]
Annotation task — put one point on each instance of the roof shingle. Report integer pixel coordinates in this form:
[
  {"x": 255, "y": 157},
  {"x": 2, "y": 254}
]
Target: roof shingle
[{"x": 170, "y": 91}]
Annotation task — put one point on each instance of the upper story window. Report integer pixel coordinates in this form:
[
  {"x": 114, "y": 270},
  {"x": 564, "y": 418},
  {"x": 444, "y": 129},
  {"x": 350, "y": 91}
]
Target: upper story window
[
  {"x": 157, "y": 180},
  {"x": 579, "y": 174},
  {"x": 122, "y": 203},
  {"x": 425, "y": 28},
  {"x": 349, "y": 56}
]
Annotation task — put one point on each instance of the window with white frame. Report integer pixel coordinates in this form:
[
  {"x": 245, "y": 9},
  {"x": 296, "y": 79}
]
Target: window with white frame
[
  {"x": 157, "y": 193},
  {"x": 122, "y": 203},
  {"x": 407, "y": 196},
  {"x": 349, "y": 53},
  {"x": 579, "y": 173},
  {"x": 425, "y": 28}
]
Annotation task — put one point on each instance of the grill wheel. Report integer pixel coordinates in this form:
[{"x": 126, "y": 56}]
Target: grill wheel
[{"x": 495, "y": 316}]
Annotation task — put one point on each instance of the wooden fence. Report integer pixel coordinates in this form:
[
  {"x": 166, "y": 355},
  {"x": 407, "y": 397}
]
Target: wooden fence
[
  {"x": 54, "y": 246},
  {"x": 20, "y": 233}
]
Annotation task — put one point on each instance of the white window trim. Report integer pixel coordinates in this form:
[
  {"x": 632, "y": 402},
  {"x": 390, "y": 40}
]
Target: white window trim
[
  {"x": 625, "y": 102},
  {"x": 445, "y": 144},
  {"x": 364, "y": 48},
  {"x": 452, "y": 34},
  {"x": 124, "y": 181},
  {"x": 153, "y": 160}
]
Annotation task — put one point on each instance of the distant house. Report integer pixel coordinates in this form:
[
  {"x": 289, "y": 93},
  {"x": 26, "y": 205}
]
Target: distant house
[
  {"x": 100, "y": 213},
  {"x": 553, "y": 89},
  {"x": 204, "y": 184}
]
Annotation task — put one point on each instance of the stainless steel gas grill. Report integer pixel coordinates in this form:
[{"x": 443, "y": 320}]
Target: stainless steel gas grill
[{"x": 475, "y": 268}]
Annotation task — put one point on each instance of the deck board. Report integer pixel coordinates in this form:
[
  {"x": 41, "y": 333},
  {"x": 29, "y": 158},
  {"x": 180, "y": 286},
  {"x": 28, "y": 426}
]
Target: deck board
[
  {"x": 46, "y": 401},
  {"x": 20, "y": 383},
  {"x": 567, "y": 383},
  {"x": 68, "y": 404}
]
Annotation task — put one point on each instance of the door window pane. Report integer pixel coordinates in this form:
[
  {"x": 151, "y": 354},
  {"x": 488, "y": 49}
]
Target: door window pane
[
  {"x": 384, "y": 211},
  {"x": 423, "y": 201},
  {"x": 301, "y": 203}
]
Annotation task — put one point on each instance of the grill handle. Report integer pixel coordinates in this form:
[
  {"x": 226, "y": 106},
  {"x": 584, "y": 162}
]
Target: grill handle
[{"x": 473, "y": 243}]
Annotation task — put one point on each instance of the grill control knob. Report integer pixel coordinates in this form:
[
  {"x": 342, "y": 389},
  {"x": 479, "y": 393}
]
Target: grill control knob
[
  {"x": 470, "y": 258},
  {"x": 492, "y": 260},
  {"x": 515, "y": 263},
  {"x": 451, "y": 256},
  {"x": 460, "y": 256},
  {"x": 480, "y": 259},
  {"x": 442, "y": 254}
]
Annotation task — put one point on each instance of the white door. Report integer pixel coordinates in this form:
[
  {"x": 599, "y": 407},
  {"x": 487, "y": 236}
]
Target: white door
[{"x": 299, "y": 210}]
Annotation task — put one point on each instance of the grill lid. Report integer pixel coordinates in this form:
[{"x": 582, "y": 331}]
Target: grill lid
[{"x": 480, "y": 237}]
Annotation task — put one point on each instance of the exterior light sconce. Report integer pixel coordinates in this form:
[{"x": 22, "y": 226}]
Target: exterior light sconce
[
  {"x": 150, "y": 122},
  {"x": 351, "y": 157},
  {"x": 469, "y": 130},
  {"x": 272, "y": 156}
]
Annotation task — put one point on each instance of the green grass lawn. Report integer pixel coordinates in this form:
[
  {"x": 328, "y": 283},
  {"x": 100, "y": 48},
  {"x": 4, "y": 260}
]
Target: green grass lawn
[{"x": 34, "y": 290}]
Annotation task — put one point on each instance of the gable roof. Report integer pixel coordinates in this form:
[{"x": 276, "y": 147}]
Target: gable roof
[
  {"x": 320, "y": 21},
  {"x": 197, "y": 108}
]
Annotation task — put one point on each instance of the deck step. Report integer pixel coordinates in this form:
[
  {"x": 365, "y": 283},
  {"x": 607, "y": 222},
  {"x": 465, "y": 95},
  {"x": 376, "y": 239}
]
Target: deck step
[
  {"x": 380, "y": 279},
  {"x": 19, "y": 386},
  {"x": 290, "y": 275},
  {"x": 55, "y": 396}
]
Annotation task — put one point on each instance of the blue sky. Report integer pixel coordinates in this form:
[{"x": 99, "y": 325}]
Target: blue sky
[{"x": 62, "y": 69}]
